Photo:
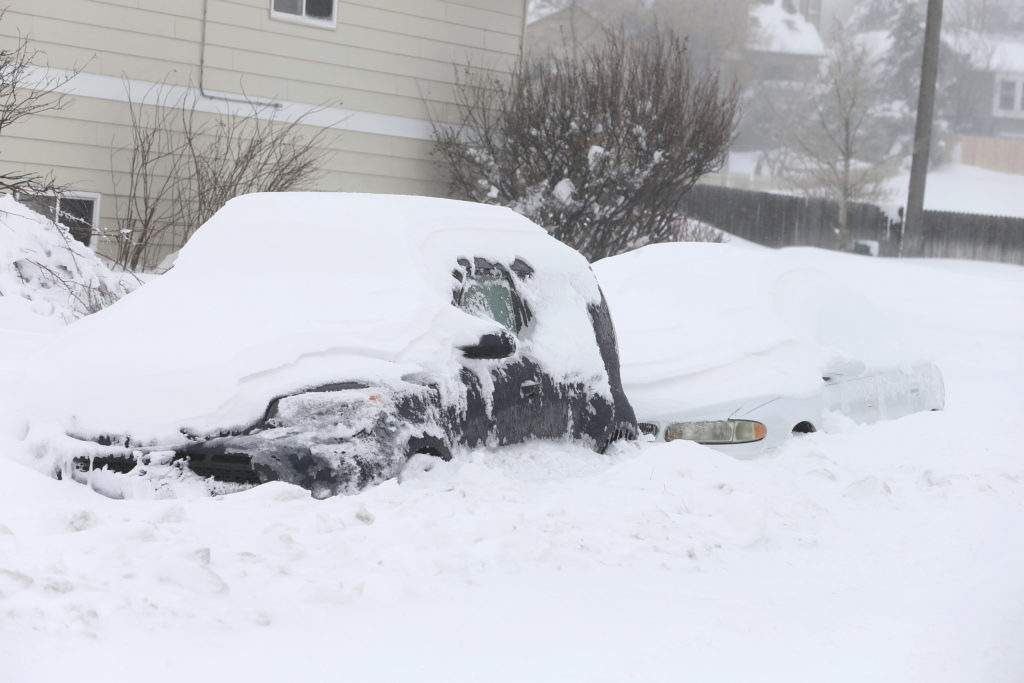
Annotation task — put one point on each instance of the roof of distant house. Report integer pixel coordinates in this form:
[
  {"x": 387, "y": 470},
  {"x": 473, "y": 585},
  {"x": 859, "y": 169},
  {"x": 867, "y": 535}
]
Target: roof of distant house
[
  {"x": 541, "y": 9},
  {"x": 778, "y": 27}
]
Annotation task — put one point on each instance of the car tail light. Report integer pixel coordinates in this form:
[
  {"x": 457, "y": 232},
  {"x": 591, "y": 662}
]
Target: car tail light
[{"x": 717, "y": 431}]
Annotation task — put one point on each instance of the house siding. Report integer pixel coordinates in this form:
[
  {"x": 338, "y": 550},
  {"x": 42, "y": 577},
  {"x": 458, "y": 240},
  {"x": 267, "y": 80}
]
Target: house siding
[{"x": 385, "y": 59}]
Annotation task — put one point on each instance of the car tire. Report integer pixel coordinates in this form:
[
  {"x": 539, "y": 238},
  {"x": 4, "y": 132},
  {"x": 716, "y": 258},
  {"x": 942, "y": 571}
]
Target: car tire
[
  {"x": 623, "y": 431},
  {"x": 422, "y": 454}
]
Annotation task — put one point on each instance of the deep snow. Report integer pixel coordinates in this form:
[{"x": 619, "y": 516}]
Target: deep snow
[
  {"x": 953, "y": 187},
  {"x": 890, "y": 552}
]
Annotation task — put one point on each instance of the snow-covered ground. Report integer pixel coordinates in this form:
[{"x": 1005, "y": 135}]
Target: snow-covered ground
[
  {"x": 967, "y": 189},
  {"x": 891, "y": 552},
  {"x": 950, "y": 187}
]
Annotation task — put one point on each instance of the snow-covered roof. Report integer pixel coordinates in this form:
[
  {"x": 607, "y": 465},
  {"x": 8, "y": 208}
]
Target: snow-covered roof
[
  {"x": 776, "y": 29},
  {"x": 1007, "y": 55},
  {"x": 541, "y": 9},
  {"x": 286, "y": 290}
]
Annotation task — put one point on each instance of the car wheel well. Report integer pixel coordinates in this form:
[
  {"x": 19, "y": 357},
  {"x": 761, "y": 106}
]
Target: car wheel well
[
  {"x": 429, "y": 445},
  {"x": 804, "y": 427}
]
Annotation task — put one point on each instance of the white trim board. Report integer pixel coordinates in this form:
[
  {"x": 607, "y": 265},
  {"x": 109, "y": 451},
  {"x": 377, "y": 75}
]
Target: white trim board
[{"x": 150, "y": 92}]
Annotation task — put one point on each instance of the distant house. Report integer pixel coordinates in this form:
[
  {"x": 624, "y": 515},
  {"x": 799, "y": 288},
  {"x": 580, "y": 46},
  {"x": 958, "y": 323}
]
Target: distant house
[
  {"x": 563, "y": 32},
  {"x": 377, "y": 70},
  {"x": 1005, "y": 77},
  {"x": 782, "y": 44},
  {"x": 991, "y": 133}
]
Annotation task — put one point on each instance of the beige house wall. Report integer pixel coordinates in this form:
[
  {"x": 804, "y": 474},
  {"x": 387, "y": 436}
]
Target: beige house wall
[{"x": 376, "y": 79}]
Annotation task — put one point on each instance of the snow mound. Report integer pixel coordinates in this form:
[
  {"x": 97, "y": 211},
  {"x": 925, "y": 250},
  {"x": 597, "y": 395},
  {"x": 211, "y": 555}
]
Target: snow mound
[{"x": 46, "y": 276}]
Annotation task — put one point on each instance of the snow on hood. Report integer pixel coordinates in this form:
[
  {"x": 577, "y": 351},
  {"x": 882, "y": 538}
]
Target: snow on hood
[
  {"x": 286, "y": 290},
  {"x": 701, "y": 324},
  {"x": 774, "y": 29}
]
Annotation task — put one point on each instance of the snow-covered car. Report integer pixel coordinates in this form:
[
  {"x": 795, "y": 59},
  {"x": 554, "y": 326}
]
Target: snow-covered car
[
  {"x": 739, "y": 347},
  {"x": 323, "y": 339}
]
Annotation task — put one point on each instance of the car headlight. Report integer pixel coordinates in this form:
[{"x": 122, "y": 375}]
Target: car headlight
[{"x": 717, "y": 431}]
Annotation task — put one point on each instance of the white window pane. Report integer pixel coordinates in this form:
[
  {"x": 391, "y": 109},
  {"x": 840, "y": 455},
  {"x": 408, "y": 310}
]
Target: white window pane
[{"x": 1007, "y": 94}]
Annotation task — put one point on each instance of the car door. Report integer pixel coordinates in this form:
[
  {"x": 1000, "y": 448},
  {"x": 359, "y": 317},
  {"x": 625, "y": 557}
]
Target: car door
[{"x": 515, "y": 404}]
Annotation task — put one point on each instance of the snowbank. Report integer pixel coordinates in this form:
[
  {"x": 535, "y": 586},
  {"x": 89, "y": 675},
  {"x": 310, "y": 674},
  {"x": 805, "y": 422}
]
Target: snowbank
[
  {"x": 883, "y": 553},
  {"x": 46, "y": 276}
]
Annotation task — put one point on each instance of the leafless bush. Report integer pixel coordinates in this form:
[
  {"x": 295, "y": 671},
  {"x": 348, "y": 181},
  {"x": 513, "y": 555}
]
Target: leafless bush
[
  {"x": 45, "y": 264},
  {"x": 25, "y": 90},
  {"x": 184, "y": 165},
  {"x": 686, "y": 229},
  {"x": 599, "y": 149},
  {"x": 84, "y": 296}
]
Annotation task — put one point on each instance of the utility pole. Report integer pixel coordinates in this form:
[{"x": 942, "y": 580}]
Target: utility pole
[{"x": 912, "y": 222}]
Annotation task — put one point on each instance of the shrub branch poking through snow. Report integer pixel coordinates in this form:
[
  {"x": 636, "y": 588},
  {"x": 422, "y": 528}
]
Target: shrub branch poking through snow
[
  {"x": 597, "y": 149},
  {"x": 43, "y": 265}
]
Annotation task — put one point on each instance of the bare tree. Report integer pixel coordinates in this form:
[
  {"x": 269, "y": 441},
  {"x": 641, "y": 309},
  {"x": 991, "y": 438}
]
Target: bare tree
[
  {"x": 26, "y": 89},
  {"x": 831, "y": 147},
  {"x": 598, "y": 150},
  {"x": 150, "y": 207},
  {"x": 183, "y": 165}
]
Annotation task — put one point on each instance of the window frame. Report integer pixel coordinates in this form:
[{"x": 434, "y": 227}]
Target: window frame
[
  {"x": 94, "y": 219},
  {"x": 1016, "y": 111},
  {"x": 466, "y": 273},
  {"x": 328, "y": 24}
]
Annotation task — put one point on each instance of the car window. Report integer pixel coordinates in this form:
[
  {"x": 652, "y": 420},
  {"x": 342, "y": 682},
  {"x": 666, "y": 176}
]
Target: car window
[{"x": 488, "y": 295}]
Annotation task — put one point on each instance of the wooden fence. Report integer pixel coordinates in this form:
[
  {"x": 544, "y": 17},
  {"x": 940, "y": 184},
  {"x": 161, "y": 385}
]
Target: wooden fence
[
  {"x": 781, "y": 220},
  {"x": 996, "y": 154}
]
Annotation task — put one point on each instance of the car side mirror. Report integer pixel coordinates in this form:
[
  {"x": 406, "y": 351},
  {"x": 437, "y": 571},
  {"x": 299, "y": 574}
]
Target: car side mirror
[{"x": 491, "y": 347}]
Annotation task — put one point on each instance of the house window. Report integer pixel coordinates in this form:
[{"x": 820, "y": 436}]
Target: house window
[
  {"x": 1007, "y": 95},
  {"x": 78, "y": 212},
  {"x": 321, "y": 13}
]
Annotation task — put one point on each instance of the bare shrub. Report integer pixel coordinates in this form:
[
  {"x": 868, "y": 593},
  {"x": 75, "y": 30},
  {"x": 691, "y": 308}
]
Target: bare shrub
[
  {"x": 598, "y": 149},
  {"x": 185, "y": 164},
  {"x": 41, "y": 262},
  {"x": 687, "y": 229},
  {"x": 25, "y": 90}
]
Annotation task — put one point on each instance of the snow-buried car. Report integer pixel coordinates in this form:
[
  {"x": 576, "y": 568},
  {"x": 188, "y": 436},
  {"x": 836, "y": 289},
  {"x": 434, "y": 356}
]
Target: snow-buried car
[{"x": 324, "y": 338}]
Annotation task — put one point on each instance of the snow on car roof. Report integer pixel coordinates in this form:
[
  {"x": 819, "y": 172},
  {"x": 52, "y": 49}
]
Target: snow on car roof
[
  {"x": 284, "y": 290},
  {"x": 700, "y": 324}
]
